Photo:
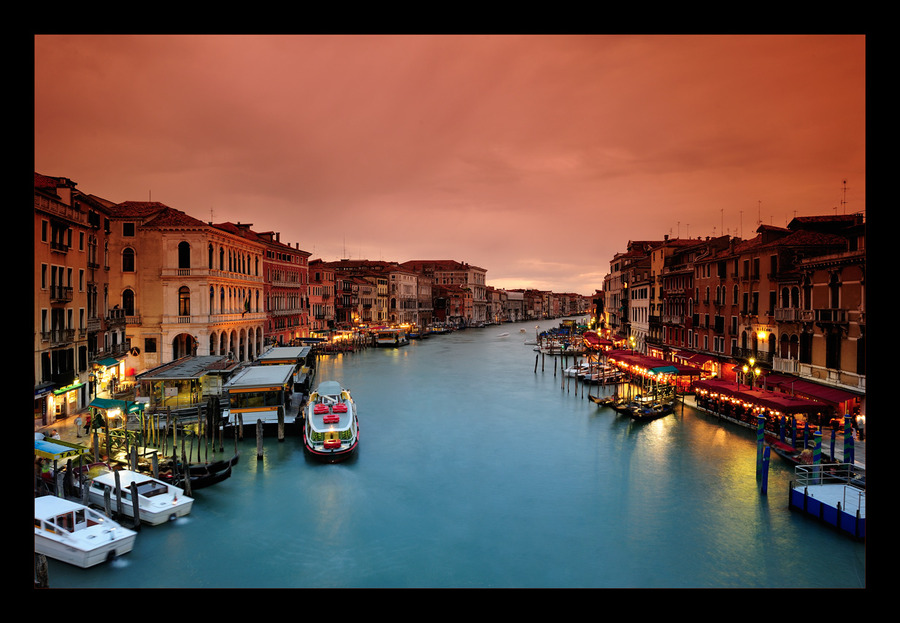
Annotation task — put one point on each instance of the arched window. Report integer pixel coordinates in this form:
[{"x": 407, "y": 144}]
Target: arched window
[
  {"x": 785, "y": 298},
  {"x": 211, "y": 257},
  {"x": 184, "y": 255},
  {"x": 184, "y": 301},
  {"x": 128, "y": 260},
  {"x": 128, "y": 302}
]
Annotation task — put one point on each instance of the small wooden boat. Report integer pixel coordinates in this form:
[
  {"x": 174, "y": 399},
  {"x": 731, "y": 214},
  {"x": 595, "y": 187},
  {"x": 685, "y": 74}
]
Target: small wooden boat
[
  {"x": 652, "y": 411},
  {"x": 605, "y": 401},
  {"x": 331, "y": 430},
  {"x": 644, "y": 409},
  {"x": 158, "y": 501},
  {"x": 797, "y": 456},
  {"x": 75, "y": 534},
  {"x": 200, "y": 474}
]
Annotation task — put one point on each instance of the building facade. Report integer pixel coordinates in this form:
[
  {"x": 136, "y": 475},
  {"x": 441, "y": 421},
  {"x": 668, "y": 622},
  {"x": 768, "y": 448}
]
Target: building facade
[
  {"x": 77, "y": 336},
  {"x": 186, "y": 287}
]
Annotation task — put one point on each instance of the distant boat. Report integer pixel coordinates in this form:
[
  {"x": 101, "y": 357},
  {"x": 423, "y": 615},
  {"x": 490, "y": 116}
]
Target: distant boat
[
  {"x": 391, "y": 337},
  {"x": 506, "y": 334}
]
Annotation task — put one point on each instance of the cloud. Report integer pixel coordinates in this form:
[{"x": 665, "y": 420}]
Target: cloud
[{"x": 488, "y": 149}]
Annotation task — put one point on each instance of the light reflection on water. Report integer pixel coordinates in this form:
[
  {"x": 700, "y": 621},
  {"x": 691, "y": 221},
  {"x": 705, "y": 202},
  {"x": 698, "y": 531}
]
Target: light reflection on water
[{"x": 475, "y": 471}]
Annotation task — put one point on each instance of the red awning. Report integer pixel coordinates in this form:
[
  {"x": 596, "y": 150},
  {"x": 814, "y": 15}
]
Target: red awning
[
  {"x": 650, "y": 363},
  {"x": 775, "y": 401},
  {"x": 809, "y": 389}
]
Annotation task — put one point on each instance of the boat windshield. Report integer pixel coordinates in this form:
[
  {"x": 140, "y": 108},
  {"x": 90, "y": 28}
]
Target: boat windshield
[{"x": 150, "y": 488}]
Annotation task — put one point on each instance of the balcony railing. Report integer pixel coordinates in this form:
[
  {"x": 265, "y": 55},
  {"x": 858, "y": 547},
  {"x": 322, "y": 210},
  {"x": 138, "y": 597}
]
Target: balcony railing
[
  {"x": 831, "y": 316},
  {"x": 61, "y": 294},
  {"x": 747, "y": 353}
]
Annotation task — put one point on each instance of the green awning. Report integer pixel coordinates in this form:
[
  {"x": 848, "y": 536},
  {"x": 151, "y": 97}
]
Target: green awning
[
  {"x": 108, "y": 362},
  {"x": 67, "y": 388},
  {"x": 110, "y": 403}
]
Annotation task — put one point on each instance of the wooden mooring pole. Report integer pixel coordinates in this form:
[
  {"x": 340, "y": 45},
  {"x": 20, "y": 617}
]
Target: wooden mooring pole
[{"x": 259, "y": 440}]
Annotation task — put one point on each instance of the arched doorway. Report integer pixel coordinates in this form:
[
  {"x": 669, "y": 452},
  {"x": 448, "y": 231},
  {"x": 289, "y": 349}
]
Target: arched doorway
[{"x": 183, "y": 345}]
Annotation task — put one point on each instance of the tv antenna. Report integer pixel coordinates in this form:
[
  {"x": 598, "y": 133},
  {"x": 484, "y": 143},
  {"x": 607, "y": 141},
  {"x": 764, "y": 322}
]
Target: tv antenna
[{"x": 844, "y": 198}]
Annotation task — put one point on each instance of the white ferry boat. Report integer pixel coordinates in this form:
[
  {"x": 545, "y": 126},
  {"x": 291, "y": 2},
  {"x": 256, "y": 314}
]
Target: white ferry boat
[
  {"x": 158, "y": 502},
  {"x": 331, "y": 430},
  {"x": 77, "y": 535},
  {"x": 391, "y": 337}
]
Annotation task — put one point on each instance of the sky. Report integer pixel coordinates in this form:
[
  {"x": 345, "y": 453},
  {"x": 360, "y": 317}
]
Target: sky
[{"x": 536, "y": 157}]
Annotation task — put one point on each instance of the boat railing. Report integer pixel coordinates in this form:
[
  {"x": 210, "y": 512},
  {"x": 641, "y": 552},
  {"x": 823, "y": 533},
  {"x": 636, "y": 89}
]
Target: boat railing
[{"x": 840, "y": 474}]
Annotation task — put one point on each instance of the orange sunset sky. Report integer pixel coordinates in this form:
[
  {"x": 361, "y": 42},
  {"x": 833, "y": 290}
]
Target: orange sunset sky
[{"x": 535, "y": 157}]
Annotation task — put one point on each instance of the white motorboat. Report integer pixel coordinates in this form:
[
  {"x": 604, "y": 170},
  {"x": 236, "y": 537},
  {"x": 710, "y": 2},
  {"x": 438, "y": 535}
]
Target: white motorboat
[
  {"x": 594, "y": 373},
  {"x": 78, "y": 535},
  {"x": 331, "y": 430},
  {"x": 158, "y": 502}
]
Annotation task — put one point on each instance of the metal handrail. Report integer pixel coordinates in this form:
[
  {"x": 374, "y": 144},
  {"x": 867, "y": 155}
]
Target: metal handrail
[{"x": 841, "y": 474}]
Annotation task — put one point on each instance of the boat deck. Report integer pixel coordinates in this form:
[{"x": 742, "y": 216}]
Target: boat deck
[
  {"x": 830, "y": 496},
  {"x": 850, "y": 498}
]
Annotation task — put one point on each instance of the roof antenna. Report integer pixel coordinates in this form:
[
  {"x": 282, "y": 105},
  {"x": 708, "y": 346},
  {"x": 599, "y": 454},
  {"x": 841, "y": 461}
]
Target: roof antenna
[{"x": 844, "y": 199}]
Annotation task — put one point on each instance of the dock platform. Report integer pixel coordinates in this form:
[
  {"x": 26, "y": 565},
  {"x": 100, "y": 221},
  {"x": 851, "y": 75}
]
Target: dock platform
[{"x": 831, "y": 497}]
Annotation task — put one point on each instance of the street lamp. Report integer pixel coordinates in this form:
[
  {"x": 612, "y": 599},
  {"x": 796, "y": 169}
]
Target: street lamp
[{"x": 753, "y": 370}]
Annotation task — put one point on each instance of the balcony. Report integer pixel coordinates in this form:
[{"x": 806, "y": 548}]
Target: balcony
[
  {"x": 115, "y": 318},
  {"x": 831, "y": 316},
  {"x": 60, "y": 294},
  {"x": 748, "y": 353},
  {"x": 58, "y": 337},
  {"x": 787, "y": 314}
]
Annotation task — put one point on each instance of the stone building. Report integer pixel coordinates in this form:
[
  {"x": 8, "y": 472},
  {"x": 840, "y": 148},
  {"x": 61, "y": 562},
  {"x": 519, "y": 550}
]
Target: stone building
[{"x": 186, "y": 287}]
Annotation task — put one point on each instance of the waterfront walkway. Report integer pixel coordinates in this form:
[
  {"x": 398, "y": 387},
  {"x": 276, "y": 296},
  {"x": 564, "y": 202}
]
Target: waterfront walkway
[
  {"x": 68, "y": 432},
  {"x": 859, "y": 447}
]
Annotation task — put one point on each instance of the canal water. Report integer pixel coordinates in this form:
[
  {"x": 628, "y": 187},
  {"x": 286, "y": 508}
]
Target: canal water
[{"x": 475, "y": 470}]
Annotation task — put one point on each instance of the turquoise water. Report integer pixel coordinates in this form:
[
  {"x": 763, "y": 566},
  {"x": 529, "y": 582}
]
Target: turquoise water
[{"x": 475, "y": 471}]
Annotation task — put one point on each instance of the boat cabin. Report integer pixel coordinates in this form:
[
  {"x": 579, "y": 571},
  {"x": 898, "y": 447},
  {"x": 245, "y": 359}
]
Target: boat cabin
[
  {"x": 391, "y": 337},
  {"x": 58, "y": 515}
]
